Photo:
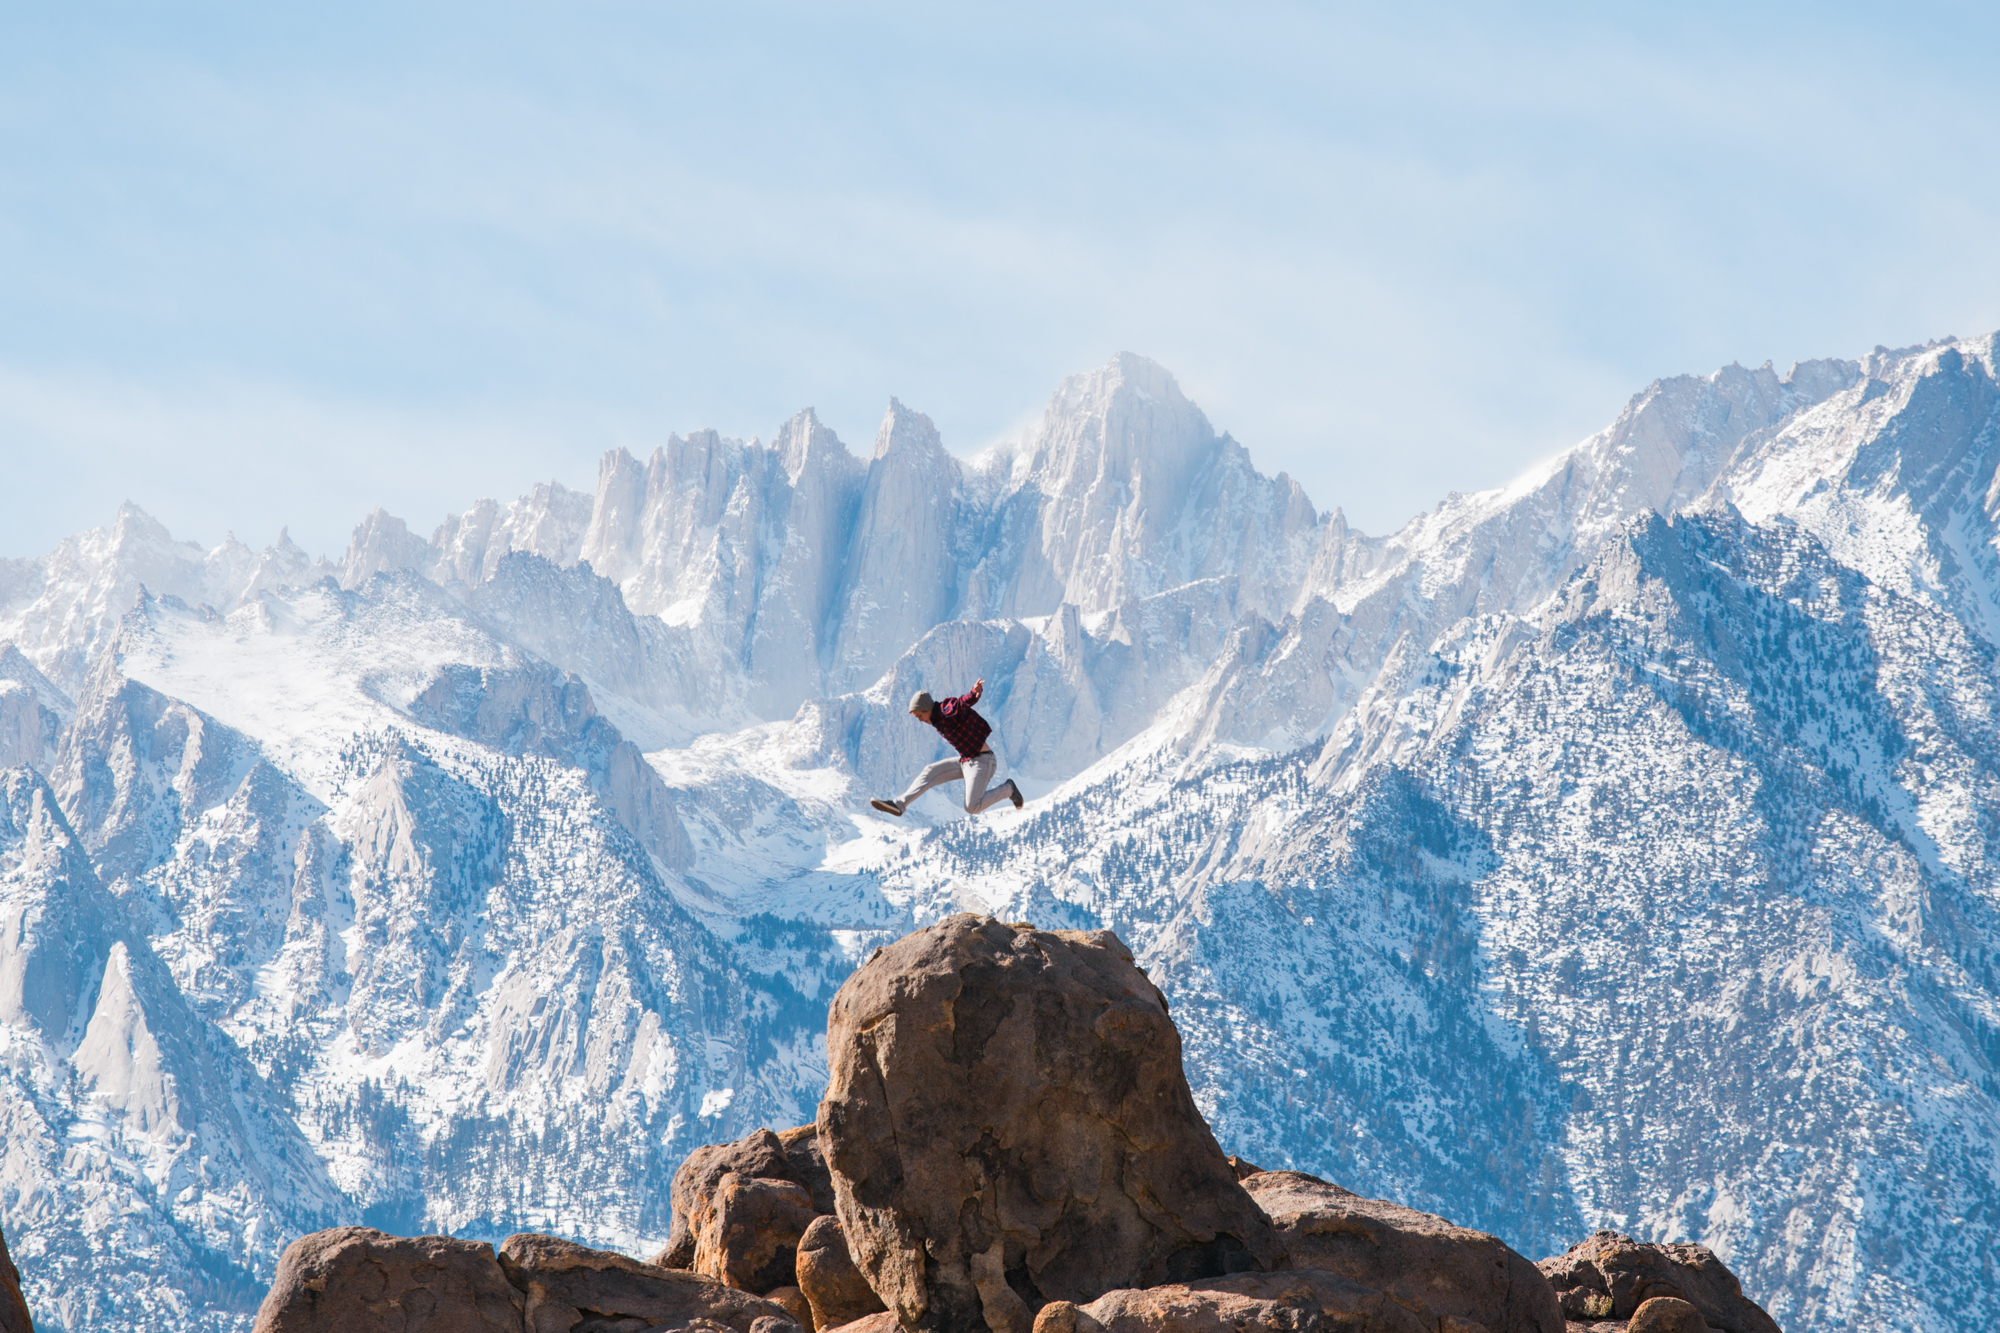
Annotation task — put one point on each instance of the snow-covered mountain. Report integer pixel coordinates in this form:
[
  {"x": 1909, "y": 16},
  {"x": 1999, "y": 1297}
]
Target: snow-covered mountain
[{"x": 1614, "y": 848}]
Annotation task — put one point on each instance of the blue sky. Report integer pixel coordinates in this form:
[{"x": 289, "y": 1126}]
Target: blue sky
[{"x": 266, "y": 265}]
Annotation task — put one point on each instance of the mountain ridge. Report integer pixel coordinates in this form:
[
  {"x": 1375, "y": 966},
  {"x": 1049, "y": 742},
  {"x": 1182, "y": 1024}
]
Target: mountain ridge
[{"x": 511, "y": 863}]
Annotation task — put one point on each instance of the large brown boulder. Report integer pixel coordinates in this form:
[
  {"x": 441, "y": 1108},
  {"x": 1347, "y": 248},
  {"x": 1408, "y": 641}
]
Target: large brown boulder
[
  {"x": 1610, "y": 1276},
  {"x": 790, "y": 1155},
  {"x": 1429, "y": 1265},
  {"x": 1300, "y": 1301},
  {"x": 360, "y": 1280},
  {"x": 570, "y": 1286},
  {"x": 13, "y": 1306},
  {"x": 833, "y": 1286},
  {"x": 1007, "y": 1123},
  {"x": 750, "y": 1232}
]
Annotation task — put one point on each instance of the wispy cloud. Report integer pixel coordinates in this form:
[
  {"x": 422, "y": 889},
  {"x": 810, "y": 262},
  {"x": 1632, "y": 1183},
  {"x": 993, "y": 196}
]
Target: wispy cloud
[{"x": 1392, "y": 250}]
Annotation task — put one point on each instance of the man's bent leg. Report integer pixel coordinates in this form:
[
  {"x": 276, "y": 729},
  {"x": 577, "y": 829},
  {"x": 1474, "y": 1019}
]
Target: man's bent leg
[
  {"x": 943, "y": 771},
  {"x": 979, "y": 772}
]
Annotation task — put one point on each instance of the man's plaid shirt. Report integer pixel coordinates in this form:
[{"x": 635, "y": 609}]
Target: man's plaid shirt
[{"x": 960, "y": 725}]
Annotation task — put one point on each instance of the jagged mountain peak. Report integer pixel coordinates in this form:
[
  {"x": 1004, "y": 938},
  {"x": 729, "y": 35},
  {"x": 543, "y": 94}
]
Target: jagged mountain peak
[
  {"x": 908, "y": 432},
  {"x": 805, "y": 441},
  {"x": 1126, "y": 422}
]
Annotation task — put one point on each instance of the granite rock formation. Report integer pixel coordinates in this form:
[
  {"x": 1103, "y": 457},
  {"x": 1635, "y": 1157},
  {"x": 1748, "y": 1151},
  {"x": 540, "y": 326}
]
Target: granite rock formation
[
  {"x": 1009, "y": 1146},
  {"x": 1609, "y": 1276},
  {"x": 1439, "y": 1270},
  {"x": 1007, "y": 1123}
]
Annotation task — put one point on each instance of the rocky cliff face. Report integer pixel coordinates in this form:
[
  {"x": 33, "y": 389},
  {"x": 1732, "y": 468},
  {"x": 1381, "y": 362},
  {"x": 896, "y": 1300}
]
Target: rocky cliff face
[{"x": 1611, "y": 850}]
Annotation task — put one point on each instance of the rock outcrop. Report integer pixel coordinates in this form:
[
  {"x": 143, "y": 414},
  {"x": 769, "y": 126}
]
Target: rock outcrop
[
  {"x": 1007, "y": 1123},
  {"x": 1439, "y": 1270},
  {"x": 793, "y": 1155},
  {"x": 360, "y": 1280},
  {"x": 833, "y": 1286},
  {"x": 1007, "y": 1144},
  {"x": 13, "y": 1309},
  {"x": 570, "y": 1287},
  {"x": 1609, "y": 1276}
]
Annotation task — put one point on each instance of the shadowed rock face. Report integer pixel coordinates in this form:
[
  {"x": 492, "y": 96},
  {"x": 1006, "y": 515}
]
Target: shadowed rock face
[
  {"x": 1610, "y": 1276},
  {"x": 1007, "y": 1123},
  {"x": 359, "y": 1280},
  {"x": 1439, "y": 1270},
  {"x": 13, "y": 1310}
]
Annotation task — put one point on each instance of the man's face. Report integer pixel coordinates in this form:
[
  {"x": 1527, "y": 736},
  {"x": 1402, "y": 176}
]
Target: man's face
[{"x": 921, "y": 714}]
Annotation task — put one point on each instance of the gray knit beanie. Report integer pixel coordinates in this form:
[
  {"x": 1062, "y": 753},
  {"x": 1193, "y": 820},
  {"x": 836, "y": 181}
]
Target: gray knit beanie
[{"x": 921, "y": 702}]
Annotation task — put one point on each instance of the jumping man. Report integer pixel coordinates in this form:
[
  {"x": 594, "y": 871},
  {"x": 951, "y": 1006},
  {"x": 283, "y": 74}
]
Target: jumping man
[{"x": 961, "y": 725}]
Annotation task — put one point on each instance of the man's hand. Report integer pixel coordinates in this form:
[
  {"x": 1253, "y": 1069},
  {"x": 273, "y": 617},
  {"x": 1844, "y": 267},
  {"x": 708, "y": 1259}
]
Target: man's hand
[{"x": 978, "y": 688}]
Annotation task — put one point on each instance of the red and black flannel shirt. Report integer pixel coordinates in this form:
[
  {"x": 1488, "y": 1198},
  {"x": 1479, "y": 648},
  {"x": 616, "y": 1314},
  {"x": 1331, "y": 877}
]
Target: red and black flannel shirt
[{"x": 960, "y": 725}]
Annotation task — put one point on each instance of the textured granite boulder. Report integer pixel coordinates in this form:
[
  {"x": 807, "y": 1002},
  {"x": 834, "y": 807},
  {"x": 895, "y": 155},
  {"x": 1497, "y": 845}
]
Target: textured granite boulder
[
  {"x": 1666, "y": 1314},
  {"x": 570, "y": 1287},
  {"x": 791, "y": 1155},
  {"x": 832, "y": 1284},
  {"x": 1299, "y": 1301},
  {"x": 749, "y": 1236},
  {"x": 1430, "y": 1266},
  {"x": 13, "y": 1308},
  {"x": 1609, "y": 1276},
  {"x": 1007, "y": 1123},
  {"x": 360, "y": 1280}
]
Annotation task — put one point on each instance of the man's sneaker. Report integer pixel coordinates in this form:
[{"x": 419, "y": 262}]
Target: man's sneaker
[
  {"x": 895, "y": 808},
  {"x": 1014, "y": 794}
]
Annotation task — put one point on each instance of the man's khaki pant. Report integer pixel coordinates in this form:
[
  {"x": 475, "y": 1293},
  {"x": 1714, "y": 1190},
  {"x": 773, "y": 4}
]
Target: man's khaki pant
[{"x": 976, "y": 773}]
